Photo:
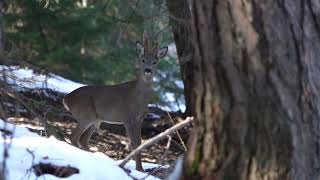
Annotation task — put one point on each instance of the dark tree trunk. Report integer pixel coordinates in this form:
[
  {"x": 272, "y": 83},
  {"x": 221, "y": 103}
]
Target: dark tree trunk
[
  {"x": 255, "y": 90},
  {"x": 180, "y": 15},
  {"x": 1, "y": 28}
]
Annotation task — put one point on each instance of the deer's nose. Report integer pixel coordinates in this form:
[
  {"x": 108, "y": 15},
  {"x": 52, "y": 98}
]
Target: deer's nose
[{"x": 147, "y": 71}]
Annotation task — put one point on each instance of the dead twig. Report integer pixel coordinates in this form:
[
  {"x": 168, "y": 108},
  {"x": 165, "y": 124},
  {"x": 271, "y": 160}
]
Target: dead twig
[
  {"x": 28, "y": 171},
  {"x": 7, "y": 135},
  {"x": 22, "y": 100},
  {"x": 155, "y": 139},
  {"x": 178, "y": 144},
  {"x": 182, "y": 142},
  {"x": 167, "y": 149},
  {"x": 161, "y": 159}
]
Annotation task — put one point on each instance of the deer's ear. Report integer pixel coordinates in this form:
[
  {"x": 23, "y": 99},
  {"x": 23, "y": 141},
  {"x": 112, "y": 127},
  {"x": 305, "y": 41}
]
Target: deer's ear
[
  {"x": 139, "y": 48},
  {"x": 162, "y": 52}
]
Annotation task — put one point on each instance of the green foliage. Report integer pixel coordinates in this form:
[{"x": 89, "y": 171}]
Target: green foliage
[{"x": 89, "y": 41}]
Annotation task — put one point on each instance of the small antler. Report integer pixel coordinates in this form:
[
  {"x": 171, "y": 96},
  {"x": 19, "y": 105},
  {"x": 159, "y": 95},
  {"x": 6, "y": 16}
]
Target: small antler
[
  {"x": 150, "y": 46},
  {"x": 146, "y": 41},
  {"x": 156, "y": 45}
]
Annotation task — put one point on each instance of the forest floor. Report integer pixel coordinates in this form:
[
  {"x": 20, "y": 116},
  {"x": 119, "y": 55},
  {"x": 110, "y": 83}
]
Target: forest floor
[{"x": 41, "y": 111}]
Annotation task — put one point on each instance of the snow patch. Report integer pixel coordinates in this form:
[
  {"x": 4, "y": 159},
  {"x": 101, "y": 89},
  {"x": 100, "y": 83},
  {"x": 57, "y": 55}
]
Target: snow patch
[
  {"x": 172, "y": 50},
  {"x": 28, "y": 149},
  {"x": 27, "y": 78}
]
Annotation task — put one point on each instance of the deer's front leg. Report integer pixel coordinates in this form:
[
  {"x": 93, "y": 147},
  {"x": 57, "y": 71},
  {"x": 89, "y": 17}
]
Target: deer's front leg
[{"x": 133, "y": 129}]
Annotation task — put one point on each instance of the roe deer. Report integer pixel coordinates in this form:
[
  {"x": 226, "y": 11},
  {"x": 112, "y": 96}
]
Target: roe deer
[{"x": 125, "y": 103}]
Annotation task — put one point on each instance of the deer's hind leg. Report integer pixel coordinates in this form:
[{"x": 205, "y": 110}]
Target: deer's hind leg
[
  {"x": 86, "y": 119},
  {"x": 77, "y": 132},
  {"x": 85, "y": 137}
]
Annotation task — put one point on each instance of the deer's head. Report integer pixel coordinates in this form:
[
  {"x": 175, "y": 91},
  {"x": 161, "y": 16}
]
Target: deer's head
[{"x": 149, "y": 54}]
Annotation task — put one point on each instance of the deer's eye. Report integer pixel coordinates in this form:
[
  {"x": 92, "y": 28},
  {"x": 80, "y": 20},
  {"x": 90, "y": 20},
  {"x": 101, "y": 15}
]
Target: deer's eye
[
  {"x": 154, "y": 62},
  {"x": 143, "y": 61}
]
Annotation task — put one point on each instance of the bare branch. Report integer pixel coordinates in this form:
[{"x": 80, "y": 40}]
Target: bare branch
[
  {"x": 182, "y": 142},
  {"x": 155, "y": 139},
  {"x": 161, "y": 159}
]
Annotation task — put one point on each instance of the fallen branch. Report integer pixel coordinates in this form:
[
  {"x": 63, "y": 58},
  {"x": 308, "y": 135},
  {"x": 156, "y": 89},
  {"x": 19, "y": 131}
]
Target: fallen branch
[
  {"x": 161, "y": 159},
  {"x": 155, "y": 139}
]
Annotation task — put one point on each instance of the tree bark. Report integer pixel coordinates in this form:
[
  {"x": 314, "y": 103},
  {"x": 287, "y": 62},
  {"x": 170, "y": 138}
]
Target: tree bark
[
  {"x": 1, "y": 27},
  {"x": 179, "y": 15},
  {"x": 254, "y": 90}
]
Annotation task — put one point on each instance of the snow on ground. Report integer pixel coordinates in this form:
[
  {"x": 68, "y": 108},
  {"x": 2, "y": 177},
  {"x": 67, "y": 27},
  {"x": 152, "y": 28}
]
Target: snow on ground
[
  {"x": 26, "y": 78},
  {"x": 50, "y": 150},
  {"x": 28, "y": 149}
]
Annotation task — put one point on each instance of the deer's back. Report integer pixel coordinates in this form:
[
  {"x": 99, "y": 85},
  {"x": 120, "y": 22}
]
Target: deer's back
[{"x": 112, "y": 104}]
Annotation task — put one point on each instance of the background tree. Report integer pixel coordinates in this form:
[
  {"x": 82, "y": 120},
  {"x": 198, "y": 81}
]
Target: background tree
[
  {"x": 90, "y": 41},
  {"x": 179, "y": 15},
  {"x": 1, "y": 28},
  {"x": 254, "y": 90}
]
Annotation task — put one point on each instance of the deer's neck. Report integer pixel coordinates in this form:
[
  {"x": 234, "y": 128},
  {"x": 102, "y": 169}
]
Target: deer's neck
[{"x": 144, "y": 87}]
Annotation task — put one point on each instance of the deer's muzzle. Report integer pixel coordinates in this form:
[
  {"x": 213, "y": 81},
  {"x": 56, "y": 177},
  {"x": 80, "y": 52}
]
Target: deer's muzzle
[{"x": 147, "y": 71}]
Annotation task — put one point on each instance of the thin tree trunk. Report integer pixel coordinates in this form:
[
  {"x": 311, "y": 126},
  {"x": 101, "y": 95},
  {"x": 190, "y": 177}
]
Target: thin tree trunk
[
  {"x": 179, "y": 11},
  {"x": 255, "y": 90}
]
